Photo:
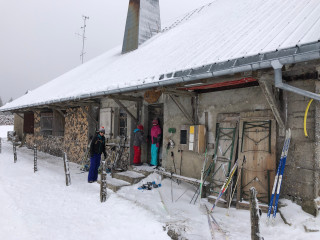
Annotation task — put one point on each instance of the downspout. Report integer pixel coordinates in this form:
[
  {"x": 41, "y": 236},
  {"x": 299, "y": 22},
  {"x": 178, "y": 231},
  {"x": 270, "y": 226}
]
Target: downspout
[{"x": 277, "y": 66}]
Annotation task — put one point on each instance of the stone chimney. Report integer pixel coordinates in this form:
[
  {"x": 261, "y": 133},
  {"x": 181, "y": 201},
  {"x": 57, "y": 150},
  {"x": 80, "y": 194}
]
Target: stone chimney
[{"x": 143, "y": 21}]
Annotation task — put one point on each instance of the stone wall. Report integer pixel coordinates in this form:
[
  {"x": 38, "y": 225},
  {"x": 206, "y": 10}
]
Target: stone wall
[
  {"x": 229, "y": 101},
  {"x": 298, "y": 180}
]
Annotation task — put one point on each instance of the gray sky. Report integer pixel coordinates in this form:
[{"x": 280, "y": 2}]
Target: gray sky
[{"x": 39, "y": 43}]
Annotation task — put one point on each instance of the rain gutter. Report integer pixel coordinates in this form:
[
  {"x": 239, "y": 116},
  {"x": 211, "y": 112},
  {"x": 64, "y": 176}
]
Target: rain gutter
[
  {"x": 275, "y": 59},
  {"x": 277, "y": 66}
]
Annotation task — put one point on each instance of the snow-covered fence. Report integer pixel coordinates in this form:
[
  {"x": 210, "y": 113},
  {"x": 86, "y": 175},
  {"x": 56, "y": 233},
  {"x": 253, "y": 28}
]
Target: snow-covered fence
[
  {"x": 103, "y": 185},
  {"x": 66, "y": 169},
  {"x": 35, "y": 161},
  {"x": 254, "y": 215},
  {"x": 15, "y": 158}
]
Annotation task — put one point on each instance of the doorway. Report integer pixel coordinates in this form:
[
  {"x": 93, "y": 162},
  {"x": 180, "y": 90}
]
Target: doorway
[{"x": 155, "y": 111}]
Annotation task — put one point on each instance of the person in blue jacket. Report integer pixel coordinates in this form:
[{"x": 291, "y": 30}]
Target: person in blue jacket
[{"x": 97, "y": 147}]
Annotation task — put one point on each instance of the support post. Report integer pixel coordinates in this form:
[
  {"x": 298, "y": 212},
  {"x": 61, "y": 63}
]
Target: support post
[
  {"x": 35, "y": 161},
  {"x": 182, "y": 108},
  {"x": 94, "y": 120},
  {"x": 126, "y": 110},
  {"x": 66, "y": 169},
  {"x": 265, "y": 82},
  {"x": 254, "y": 215},
  {"x": 103, "y": 185},
  {"x": 15, "y": 158}
]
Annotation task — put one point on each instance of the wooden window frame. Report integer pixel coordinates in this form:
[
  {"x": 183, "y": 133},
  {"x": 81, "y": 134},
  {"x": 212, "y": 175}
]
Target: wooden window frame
[
  {"x": 123, "y": 116},
  {"x": 48, "y": 129}
]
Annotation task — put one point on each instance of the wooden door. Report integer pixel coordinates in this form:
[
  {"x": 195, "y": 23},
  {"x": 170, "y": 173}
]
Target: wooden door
[{"x": 257, "y": 143}]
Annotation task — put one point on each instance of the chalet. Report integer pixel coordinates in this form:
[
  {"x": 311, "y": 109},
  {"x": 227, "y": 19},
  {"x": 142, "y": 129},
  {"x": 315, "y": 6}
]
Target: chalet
[{"x": 225, "y": 81}]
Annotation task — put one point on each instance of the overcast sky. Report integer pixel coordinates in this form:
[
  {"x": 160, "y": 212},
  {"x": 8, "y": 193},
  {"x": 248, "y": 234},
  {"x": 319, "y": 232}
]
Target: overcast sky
[{"x": 39, "y": 42}]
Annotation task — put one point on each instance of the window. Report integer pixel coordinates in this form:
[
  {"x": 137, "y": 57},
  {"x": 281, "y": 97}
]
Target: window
[
  {"x": 122, "y": 123},
  {"x": 46, "y": 123},
  {"x": 52, "y": 123}
]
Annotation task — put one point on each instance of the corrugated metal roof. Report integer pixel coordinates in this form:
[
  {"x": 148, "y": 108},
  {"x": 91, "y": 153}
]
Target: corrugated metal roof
[{"x": 218, "y": 32}]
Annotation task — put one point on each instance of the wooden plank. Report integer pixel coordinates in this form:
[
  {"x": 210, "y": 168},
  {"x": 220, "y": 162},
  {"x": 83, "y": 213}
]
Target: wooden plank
[
  {"x": 179, "y": 92},
  {"x": 126, "y": 110},
  {"x": 257, "y": 143},
  {"x": 85, "y": 110},
  {"x": 126, "y": 98},
  {"x": 193, "y": 181},
  {"x": 265, "y": 83}
]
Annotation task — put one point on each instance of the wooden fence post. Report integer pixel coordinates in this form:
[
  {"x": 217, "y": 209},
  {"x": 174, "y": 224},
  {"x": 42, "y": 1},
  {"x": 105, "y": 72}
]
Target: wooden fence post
[
  {"x": 254, "y": 215},
  {"x": 66, "y": 169},
  {"x": 14, "y": 152},
  {"x": 35, "y": 162},
  {"x": 103, "y": 185}
]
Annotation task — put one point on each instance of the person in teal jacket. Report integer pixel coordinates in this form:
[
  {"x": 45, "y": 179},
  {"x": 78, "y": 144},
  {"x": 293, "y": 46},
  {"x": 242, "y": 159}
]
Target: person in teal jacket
[{"x": 155, "y": 142}]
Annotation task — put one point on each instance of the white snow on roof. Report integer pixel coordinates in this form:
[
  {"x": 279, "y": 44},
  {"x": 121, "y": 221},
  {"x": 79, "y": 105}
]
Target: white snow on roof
[{"x": 220, "y": 31}]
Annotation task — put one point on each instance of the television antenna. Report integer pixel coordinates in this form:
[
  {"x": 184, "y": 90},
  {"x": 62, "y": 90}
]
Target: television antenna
[{"x": 83, "y": 35}]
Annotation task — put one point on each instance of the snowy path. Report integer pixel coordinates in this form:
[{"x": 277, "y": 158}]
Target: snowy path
[{"x": 40, "y": 206}]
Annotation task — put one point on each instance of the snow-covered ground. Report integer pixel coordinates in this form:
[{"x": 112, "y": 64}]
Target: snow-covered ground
[{"x": 40, "y": 206}]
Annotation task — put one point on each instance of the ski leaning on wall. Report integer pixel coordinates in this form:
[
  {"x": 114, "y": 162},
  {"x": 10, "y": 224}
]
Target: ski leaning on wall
[
  {"x": 278, "y": 178},
  {"x": 225, "y": 185}
]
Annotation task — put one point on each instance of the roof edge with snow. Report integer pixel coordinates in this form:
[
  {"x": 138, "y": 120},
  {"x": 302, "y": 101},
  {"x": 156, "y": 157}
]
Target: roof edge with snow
[{"x": 303, "y": 53}]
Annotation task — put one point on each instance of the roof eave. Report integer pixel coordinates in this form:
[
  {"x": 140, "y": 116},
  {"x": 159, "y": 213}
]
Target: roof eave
[{"x": 302, "y": 53}]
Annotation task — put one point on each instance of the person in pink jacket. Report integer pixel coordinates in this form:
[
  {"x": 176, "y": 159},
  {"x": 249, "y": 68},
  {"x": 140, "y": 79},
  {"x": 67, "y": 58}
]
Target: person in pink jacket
[{"x": 155, "y": 142}]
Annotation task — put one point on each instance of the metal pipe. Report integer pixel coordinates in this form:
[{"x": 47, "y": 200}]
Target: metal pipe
[{"x": 277, "y": 66}]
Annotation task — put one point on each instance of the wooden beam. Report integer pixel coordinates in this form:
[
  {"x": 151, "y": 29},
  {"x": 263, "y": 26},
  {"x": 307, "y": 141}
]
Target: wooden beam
[
  {"x": 125, "y": 109},
  {"x": 20, "y": 115},
  {"x": 126, "y": 98},
  {"x": 182, "y": 109},
  {"x": 265, "y": 82},
  {"x": 61, "y": 113},
  {"x": 179, "y": 92},
  {"x": 85, "y": 110}
]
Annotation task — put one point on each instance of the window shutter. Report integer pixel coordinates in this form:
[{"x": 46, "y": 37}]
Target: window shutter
[{"x": 28, "y": 124}]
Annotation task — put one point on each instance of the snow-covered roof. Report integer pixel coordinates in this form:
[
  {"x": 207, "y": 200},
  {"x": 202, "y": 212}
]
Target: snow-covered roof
[{"x": 220, "y": 31}]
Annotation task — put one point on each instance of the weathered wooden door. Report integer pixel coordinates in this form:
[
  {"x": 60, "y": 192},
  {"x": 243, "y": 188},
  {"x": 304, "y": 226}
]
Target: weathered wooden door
[
  {"x": 258, "y": 145},
  {"x": 225, "y": 150}
]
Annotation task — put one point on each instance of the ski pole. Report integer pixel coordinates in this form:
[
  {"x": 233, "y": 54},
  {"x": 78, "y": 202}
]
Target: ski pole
[
  {"x": 235, "y": 186},
  {"x": 225, "y": 185}
]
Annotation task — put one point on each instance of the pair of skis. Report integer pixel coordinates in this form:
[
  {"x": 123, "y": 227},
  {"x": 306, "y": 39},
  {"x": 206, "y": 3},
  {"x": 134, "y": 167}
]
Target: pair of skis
[
  {"x": 278, "y": 178},
  {"x": 226, "y": 184}
]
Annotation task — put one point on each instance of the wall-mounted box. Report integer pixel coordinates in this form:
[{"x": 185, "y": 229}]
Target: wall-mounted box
[{"x": 193, "y": 138}]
